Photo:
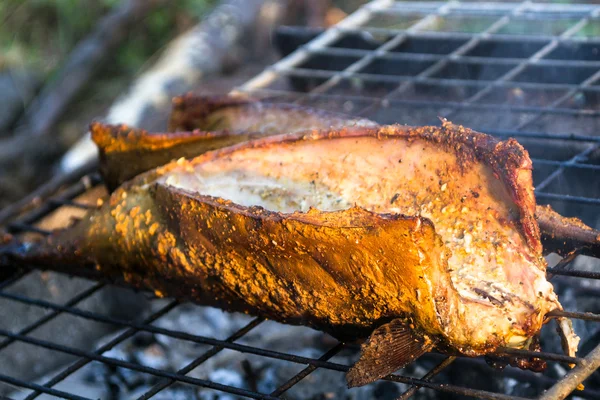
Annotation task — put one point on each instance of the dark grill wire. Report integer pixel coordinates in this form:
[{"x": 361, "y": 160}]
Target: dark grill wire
[
  {"x": 398, "y": 37},
  {"x": 507, "y": 13}
]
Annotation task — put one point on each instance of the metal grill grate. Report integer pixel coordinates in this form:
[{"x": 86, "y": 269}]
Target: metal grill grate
[{"x": 525, "y": 70}]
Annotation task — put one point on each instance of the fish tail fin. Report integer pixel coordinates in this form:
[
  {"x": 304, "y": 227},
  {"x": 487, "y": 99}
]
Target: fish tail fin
[{"x": 390, "y": 347}]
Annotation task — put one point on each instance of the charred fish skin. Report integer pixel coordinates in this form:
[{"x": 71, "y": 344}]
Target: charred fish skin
[
  {"x": 302, "y": 268},
  {"x": 126, "y": 152},
  {"x": 469, "y": 149},
  {"x": 383, "y": 261}
]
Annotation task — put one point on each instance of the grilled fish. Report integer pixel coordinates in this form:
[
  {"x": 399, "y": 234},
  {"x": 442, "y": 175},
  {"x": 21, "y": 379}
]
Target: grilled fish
[
  {"x": 413, "y": 237},
  {"x": 202, "y": 123}
]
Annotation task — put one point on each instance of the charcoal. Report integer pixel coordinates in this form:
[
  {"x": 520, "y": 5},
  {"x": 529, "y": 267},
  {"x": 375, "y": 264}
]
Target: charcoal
[{"x": 386, "y": 391}]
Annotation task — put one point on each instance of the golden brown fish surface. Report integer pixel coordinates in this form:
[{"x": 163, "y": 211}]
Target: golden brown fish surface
[
  {"x": 209, "y": 122},
  {"x": 126, "y": 152},
  {"x": 424, "y": 236}
]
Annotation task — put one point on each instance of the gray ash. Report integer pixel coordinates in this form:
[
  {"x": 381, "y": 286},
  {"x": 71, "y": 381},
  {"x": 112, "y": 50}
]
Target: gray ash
[{"x": 262, "y": 374}]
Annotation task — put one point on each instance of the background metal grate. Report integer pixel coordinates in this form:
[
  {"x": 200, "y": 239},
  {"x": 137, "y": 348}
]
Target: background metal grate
[{"x": 526, "y": 70}]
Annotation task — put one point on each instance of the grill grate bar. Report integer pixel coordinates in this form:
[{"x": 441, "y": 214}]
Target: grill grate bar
[
  {"x": 18, "y": 227},
  {"x": 391, "y": 32},
  {"x": 500, "y": 37},
  {"x": 213, "y": 351},
  {"x": 120, "y": 338},
  {"x": 447, "y": 82},
  {"x": 85, "y": 183},
  {"x": 547, "y": 136},
  {"x": 577, "y": 158},
  {"x": 89, "y": 356},
  {"x": 42, "y": 389},
  {"x": 12, "y": 279},
  {"x": 459, "y": 58},
  {"x": 215, "y": 342},
  {"x": 489, "y": 8},
  {"x": 586, "y": 316},
  {"x": 544, "y": 355},
  {"x": 306, "y": 371},
  {"x": 575, "y": 164},
  {"x": 474, "y": 41},
  {"x": 417, "y": 103},
  {"x": 383, "y": 49},
  {"x": 480, "y": 394},
  {"x": 566, "y": 261},
  {"x": 574, "y": 273},
  {"x": 430, "y": 375},
  {"x": 566, "y": 197},
  {"x": 70, "y": 203},
  {"x": 73, "y": 301},
  {"x": 133, "y": 366}
]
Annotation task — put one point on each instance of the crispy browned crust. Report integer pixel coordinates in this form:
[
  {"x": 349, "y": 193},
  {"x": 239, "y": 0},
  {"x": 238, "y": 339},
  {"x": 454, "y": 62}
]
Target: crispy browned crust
[
  {"x": 300, "y": 268},
  {"x": 508, "y": 159},
  {"x": 200, "y": 124},
  {"x": 125, "y": 152},
  {"x": 295, "y": 268},
  {"x": 559, "y": 234},
  {"x": 121, "y": 155},
  {"x": 564, "y": 235}
]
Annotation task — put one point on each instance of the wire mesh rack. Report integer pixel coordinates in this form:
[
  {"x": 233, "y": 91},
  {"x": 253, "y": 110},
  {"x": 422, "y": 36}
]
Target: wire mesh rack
[{"x": 525, "y": 70}]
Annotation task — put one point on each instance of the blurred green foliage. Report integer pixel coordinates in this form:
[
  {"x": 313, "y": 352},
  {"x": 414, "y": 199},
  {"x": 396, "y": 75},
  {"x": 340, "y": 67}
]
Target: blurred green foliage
[{"x": 41, "y": 33}]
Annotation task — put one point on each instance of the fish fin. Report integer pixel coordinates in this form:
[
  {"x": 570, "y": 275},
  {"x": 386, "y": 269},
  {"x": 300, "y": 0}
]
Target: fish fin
[{"x": 389, "y": 348}]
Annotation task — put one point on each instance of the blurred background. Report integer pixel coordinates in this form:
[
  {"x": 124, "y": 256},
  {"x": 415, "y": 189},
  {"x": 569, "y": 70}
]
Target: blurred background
[{"x": 64, "y": 63}]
